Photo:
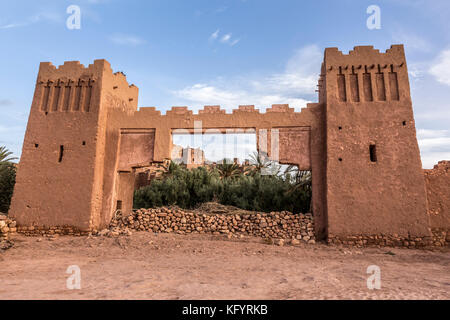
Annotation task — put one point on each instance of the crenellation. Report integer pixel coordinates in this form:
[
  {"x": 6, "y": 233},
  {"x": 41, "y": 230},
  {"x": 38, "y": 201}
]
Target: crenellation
[
  {"x": 280, "y": 108},
  {"x": 211, "y": 110},
  {"x": 179, "y": 111},
  {"x": 149, "y": 110},
  {"x": 359, "y": 141},
  {"x": 246, "y": 108}
]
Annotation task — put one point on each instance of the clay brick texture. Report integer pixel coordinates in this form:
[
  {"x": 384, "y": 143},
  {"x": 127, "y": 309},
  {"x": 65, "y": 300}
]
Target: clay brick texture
[{"x": 86, "y": 142}]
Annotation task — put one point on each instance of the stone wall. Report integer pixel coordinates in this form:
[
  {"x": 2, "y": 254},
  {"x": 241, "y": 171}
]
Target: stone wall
[
  {"x": 439, "y": 238},
  {"x": 7, "y": 226},
  {"x": 275, "y": 225},
  {"x": 359, "y": 140}
]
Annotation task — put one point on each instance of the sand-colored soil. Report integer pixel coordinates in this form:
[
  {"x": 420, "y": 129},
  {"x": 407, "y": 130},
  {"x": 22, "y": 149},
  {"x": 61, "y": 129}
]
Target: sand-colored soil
[{"x": 169, "y": 266}]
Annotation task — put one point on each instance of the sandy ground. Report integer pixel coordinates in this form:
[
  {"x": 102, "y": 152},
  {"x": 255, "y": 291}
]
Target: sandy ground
[{"x": 169, "y": 266}]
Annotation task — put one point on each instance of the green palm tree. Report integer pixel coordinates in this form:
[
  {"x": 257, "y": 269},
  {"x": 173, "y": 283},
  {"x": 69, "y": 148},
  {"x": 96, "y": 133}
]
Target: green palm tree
[
  {"x": 228, "y": 170},
  {"x": 300, "y": 179},
  {"x": 260, "y": 163},
  {"x": 5, "y": 156}
]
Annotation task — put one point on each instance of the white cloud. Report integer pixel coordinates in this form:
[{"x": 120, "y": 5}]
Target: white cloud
[
  {"x": 434, "y": 146},
  {"x": 226, "y": 38},
  {"x": 12, "y": 25},
  {"x": 298, "y": 79},
  {"x": 214, "y": 35},
  {"x": 38, "y": 17},
  {"x": 126, "y": 39},
  {"x": 232, "y": 43},
  {"x": 441, "y": 67}
]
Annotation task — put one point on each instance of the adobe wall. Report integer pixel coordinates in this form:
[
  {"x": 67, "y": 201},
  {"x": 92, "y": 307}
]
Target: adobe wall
[
  {"x": 86, "y": 140},
  {"x": 60, "y": 175},
  {"x": 300, "y": 135},
  {"x": 438, "y": 195},
  {"x": 368, "y": 103},
  {"x": 64, "y": 114}
]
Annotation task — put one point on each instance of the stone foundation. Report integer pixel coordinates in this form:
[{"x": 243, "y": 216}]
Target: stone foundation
[
  {"x": 53, "y": 231},
  {"x": 439, "y": 238},
  {"x": 7, "y": 226},
  {"x": 277, "y": 227},
  {"x": 274, "y": 225}
]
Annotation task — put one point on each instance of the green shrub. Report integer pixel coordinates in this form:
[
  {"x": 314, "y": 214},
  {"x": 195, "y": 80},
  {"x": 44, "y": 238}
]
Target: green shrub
[
  {"x": 256, "y": 192},
  {"x": 7, "y": 181}
]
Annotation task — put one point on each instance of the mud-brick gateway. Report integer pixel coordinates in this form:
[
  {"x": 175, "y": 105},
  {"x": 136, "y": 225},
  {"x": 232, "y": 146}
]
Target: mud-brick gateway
[{"x": 86, "y": 137}]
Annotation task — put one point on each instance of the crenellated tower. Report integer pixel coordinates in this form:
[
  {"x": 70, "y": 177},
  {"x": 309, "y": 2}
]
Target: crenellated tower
[
  {"x": 374, "y": 178},
  {"x": 60, "y": 176},
  {"x": 86, "y": 142}
]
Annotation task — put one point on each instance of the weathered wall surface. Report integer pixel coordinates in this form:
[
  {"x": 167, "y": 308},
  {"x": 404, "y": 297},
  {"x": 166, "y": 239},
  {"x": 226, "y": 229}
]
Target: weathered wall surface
[
  {"x": 368, "y": 105},
  {"x": 300, "y": 131},
  {"x": 86, "y": 141},
  {"x": 438, "y": 195},
  {"x": 59, "y": 149},
  {"x": 60, "y": 175}
]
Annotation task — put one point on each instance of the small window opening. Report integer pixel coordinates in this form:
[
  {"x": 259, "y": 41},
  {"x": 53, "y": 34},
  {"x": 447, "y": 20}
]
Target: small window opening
[
  {"x": 373, "y": 153},
  {"x": 119, "y": 205},
  {"x": 61, "y": 153},
  {"x": 36, "y": 145},
  {"x": 340, "y": 128},
  {"x": 84, "y": 143},
  {"x": 404, "y": 123},
  {"x": 340, "y": 159}
]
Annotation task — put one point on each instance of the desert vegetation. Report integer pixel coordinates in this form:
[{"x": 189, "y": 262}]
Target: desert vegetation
[
  {"x": 7, "y": 178},
  {"x": 249, "y": 188}
]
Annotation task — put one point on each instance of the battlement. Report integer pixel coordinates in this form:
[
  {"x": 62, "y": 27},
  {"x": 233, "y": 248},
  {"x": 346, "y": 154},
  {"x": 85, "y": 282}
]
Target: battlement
[
  {"x": 363, "y": 54},
  {"x": 211, "y": 110},
  {"x": 242, "y": 109},
  {"x": 71, "y": 87},
  {"x": 364, "y": 75},
  {"x": 359, "y": 142},
  {"x": 74, "y": 69}
]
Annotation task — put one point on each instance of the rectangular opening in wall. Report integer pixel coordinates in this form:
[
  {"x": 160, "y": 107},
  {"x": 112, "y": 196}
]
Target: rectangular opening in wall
[
  {"x": 393, "y": 84},
  {"x": 61, "y": 153},
  {"x": 56, "y": 95},
  {"x": 76, "y": 106},
  {"x": 341, "y": 87},
  {"x": 45, "y": 97},
  {"x": 367, "y": 84},
  {"x": 119, "y": 205},
  {"x": 213, "y": 146},
  {"x": 354, "y": 88},
  {"x": 87, "y": 103},
  {"x": 381, "y": 90},
  {"x": 373, "y": 153},
  {"x": 66, "y": 97}
]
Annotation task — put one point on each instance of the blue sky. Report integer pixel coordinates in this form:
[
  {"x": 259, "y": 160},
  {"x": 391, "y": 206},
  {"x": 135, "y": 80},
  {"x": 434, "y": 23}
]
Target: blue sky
[{"x": 201, "y": 52}]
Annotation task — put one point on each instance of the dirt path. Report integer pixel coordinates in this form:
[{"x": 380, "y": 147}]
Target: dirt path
[{"x": 168, "y": 266}]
